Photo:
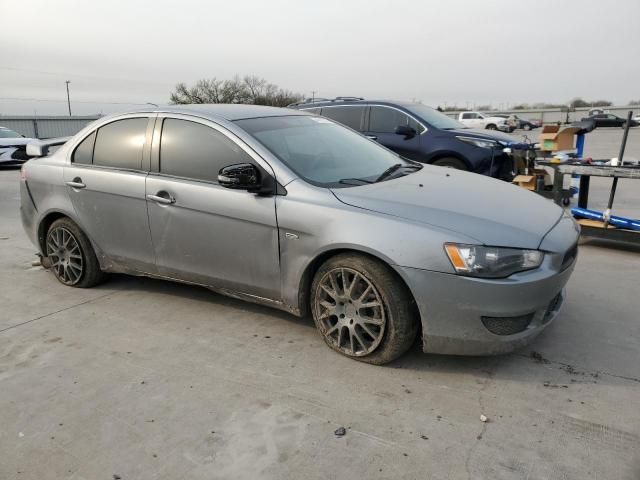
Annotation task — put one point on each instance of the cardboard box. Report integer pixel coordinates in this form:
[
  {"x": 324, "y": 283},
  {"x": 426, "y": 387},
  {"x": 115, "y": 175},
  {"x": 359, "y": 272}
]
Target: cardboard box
[
  {"x": 529, "y": 181},
  {"x": 553, "y": 139}
]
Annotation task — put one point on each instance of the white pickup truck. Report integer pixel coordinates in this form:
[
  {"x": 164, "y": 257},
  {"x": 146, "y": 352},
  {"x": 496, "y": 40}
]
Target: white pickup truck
[{"x": 479, "y": 120}]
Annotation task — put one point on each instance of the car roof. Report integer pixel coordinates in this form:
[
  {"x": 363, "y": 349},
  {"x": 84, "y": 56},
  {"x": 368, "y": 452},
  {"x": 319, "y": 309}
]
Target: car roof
[
  {"x": 391, "y": 103},
  {"x": 224, "y": 111}
]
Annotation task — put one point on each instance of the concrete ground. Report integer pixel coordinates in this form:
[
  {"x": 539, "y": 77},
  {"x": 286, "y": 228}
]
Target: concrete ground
[{"x": 143, "y": 379}]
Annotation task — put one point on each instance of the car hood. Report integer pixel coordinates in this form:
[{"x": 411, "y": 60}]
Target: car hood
[
  {"x": 484, "y": 134},
  {"x": 14, "y": 142},
  {"x": 493, "y": 212}
]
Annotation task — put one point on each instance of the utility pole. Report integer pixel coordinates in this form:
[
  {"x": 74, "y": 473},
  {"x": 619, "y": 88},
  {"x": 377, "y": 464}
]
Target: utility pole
[
  {"x": 313, "y": 96},
  {"x": 68, "y": 100}
]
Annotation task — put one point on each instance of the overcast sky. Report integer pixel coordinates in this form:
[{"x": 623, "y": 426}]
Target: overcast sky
[{"x": 453, "y": 51}]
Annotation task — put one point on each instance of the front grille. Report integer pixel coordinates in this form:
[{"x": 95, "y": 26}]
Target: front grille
[
  {"x": 554, "y": 305},
  {"x": 569, "y": 257},
  {"x": 507, "y": 325}
]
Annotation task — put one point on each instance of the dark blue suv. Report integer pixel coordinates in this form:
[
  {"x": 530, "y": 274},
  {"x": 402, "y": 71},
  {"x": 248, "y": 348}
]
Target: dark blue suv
[{"x": 423, "y": 134}]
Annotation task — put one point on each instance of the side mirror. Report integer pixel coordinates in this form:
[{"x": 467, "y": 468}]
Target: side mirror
[
  {"x": 241, "y": 176},
  {"x": 246, "y": 176},
  {"x": 405, "y": 130}
]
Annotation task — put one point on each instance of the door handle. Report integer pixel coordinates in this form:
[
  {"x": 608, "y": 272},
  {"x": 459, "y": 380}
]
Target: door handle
[
  {"x": 75, "y": 183},
  {"x": 372, "y": 137},
  {"x": 164, "y": 200}
]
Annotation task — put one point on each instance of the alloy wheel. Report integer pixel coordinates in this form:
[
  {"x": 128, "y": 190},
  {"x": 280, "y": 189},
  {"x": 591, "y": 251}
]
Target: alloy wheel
[
  {"x": 351, "y": 311},
  {"x": 65, "y": 255}
]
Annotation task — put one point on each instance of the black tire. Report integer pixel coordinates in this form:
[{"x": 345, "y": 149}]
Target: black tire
[
  {"x": 89, "y": 273},
  {"x": 381, "y": 344},
  {"x": 451, "y": 162},
  {"x": 526, "y": 127},
  {"x": 491, "y": 126}
]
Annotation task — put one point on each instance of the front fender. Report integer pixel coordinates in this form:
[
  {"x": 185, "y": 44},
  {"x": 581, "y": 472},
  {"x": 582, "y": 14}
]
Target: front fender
[{"x": 309, "y": 231}]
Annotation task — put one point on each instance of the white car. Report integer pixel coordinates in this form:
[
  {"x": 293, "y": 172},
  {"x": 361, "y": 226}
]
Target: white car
[
  {"x": 13, "y": 147},
  {"x": 480, "y": 120}
]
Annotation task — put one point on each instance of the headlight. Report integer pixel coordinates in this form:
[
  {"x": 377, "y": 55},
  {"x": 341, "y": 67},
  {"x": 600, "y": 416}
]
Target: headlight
[
  {"x": 491, "y": 262},
  {"x": 479, "y": 142}
]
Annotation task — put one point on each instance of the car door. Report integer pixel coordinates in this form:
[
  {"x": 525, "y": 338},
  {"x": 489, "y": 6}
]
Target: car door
[
  {"x": 601, "y": 120},
  {"x": 472, "y": 120},
  {"x": 106, "y": 183},
  {"x": 614, "y": 120},
  {"x": 203, "y": 232},
  {"x": 382, "y": 125}
]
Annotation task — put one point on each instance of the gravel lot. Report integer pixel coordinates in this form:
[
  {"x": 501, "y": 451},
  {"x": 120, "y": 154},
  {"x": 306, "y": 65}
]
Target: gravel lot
[{"x": 143, "y": 379}]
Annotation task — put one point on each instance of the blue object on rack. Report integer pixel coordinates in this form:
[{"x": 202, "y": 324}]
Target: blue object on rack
[{"x": 616, "y": 221}]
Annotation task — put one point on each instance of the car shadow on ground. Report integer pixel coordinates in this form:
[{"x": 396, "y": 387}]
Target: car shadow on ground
[
  {"x": 121, "y": 282},
  {"x": 507, "y": 366}
]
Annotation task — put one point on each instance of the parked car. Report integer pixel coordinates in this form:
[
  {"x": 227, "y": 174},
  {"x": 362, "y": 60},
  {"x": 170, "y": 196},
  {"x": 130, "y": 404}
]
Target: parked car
[
  {"x": 527, "y": 125},
  {"x": 423, "y": 134},
  {"x": 12, "y": 147},
  {"x": 521, "y": 123},
  {"x": 295, "y": 211},
  {"x": 610, "y": 120},
  {"x": 490, "y": 122}
]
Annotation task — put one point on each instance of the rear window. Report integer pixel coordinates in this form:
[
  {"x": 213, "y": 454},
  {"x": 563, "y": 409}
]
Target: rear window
[
  {"x": 6, "y": 133},
  {"x": 351, "y": 116},
  {"x": 119, "y": 144}
]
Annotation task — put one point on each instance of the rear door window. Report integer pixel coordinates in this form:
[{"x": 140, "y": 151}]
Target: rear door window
[
  {"x": 119, "y": 144},
  {"x": 192, "y": 150},
  {"x": 351, "y": 116},
  {"x": 83, "y": 153},
  {"x": 385, "y": 120}
]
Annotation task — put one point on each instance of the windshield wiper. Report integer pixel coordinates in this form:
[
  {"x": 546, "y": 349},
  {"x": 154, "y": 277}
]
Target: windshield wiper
[
  {"x": 394, "y": 168},
  {"x": 350, "y": 181}
]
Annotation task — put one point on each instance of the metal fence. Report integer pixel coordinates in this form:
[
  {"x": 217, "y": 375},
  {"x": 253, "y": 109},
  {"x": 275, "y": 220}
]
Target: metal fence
[{"x": 46, "y": 127}]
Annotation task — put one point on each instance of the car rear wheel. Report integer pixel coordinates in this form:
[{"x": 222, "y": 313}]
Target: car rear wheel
[
  {"x": 527, "y": 127},
  {"x": 71, "y": 256},
  {"x": 491, "y": 126},
  {"x": 450, "y": 162},
  {"x": 362, "y": 309}
]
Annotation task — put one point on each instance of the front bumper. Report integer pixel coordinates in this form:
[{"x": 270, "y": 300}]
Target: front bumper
[{"x": 452, "y": 306}]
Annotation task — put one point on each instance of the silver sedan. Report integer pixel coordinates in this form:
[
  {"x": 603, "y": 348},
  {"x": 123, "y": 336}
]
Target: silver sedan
[{"x": 295, "y": 211}]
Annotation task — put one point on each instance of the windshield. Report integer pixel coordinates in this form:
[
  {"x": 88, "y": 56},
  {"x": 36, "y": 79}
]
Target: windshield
[
  {"x": 434, "y": 117},
  {"x": 6, "y": 133},
  {"x": 325, "y": 153}
]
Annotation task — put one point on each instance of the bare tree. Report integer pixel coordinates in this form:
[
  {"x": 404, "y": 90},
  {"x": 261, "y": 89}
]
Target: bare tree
[
  {"x": 248, "y": 89},
  {"x": 204, "y": 91}
]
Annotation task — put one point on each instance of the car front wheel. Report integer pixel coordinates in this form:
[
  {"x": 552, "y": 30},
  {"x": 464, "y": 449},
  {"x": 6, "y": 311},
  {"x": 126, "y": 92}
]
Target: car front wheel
[
  {"x": 70, "y": 255},
  {"x": 362, "y": 309}
]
